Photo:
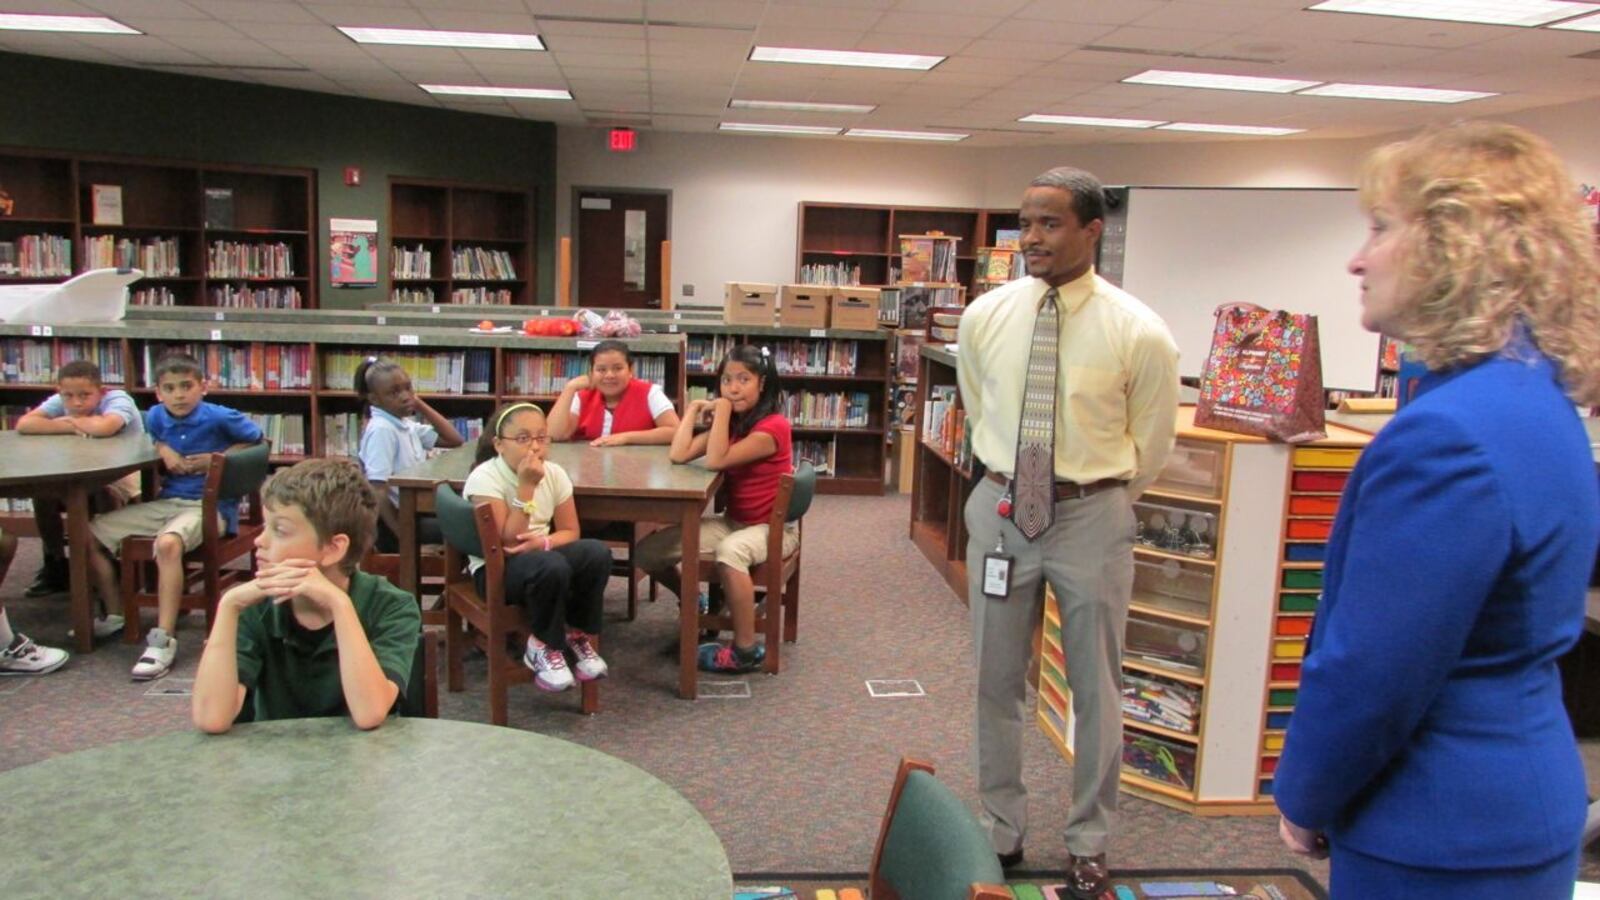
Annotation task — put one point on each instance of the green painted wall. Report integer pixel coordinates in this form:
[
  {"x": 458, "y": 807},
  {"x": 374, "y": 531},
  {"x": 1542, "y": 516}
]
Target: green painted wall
[{"x": 84, "y": 107}]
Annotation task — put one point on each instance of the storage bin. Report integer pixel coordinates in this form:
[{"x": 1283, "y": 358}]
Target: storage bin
[
  {"x": 1272, "y": 742},
  {"x": 1278, "y": 721},
  {"x": 1286, "y": 672},
  {"x": 1326, "y": 457},
  {"x": 1310, "y": 529},
  {"x": 1298, "y": 602},
  {"x": 1265, "y": 789},
  {"x": 1318, "y": 481},
  {"x": 1286, "y": 650},
  {"x": 1282, "y": 696},
  {"x": 1158, "y": 759},
  {"x": 1305, "y": 552},
  {"x": 1176, "y": 529},
  {"x": 1173, "y": 586},
  {"x": 1194, "y": 467},
  {"x": 1269, "y": 764},
  {"x": 1302, "y": 578},
  {"x": 1293, "y": 627},
  {"x": 1180, "y": 648},
  {"x": 1313, "y": 506}
]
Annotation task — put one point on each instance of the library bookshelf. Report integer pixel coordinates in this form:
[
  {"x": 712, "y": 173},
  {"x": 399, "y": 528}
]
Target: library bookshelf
[
  {"x": 867, "y": 237},
  {"x": 206, "y": 235},
  {"x": 455, "y": 242},
  {"x": 940, "y": 481}
]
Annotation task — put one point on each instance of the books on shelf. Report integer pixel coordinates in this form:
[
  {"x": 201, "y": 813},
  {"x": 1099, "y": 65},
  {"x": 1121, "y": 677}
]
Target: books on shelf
[
  {"x": 431, "y": 371},
  {"x": 802, "y": 356},
  {"x": 1154, "y": 700},
  {"x": 907, "y": 354},
  {"x": 105, "y": 204},
  {"x": 286, "y": 433},
  {"x": 840, "y": 273},
  {"x": 944, "y": 424},
  {"x": 254, "y": 366},
  {"x": 546, "y": 374},
  {"x": 423, "y": 296},
  {"x": 156, "y": 257},
  {"x": 341, "y": 432},
  {"x": 247, "y": 297},
  {"x": 480, "y": 295},
  {"x": 409, "y": 263},
  {"x": 233, "y": 259},
  {"x": 153, "y": 296},
  {"x": 36, "y": 256},
  {"x": 28, "y": 361},
  {"x": 997, "y": 264},
  {"x": 219, "y": 208},
  {"x": 1008, "y": 238},
  {"x": 838, "y": 409},
  {"x": 821, "y": 455},
  {"x": 905, "y": 406},
  {"x": 482, "y": 263},
  {"x": 927, "y": 257}
]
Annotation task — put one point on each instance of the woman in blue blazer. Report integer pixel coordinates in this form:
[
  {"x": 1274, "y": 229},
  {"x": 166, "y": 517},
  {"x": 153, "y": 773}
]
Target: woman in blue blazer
[{"x": 1429, "y": 752}]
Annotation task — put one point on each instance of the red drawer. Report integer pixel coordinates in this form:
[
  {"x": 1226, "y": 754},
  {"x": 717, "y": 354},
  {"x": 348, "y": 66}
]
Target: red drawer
[
  {"x": 1310, "y": 529},
  {"x": 1319, "y": 481},
  {"x": 1294, "y": 627},
  {"x": 1269, "y": 764},
  {"x": 1313, "y": 506},
  {"x": 1285, "y": 671}
]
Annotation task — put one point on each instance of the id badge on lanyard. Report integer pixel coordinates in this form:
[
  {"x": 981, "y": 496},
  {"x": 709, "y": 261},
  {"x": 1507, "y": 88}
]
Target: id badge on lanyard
[{"x": 997, "y": 563}]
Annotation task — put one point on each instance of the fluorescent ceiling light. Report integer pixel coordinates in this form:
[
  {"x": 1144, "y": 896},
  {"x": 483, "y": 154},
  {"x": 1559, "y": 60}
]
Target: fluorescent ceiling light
[
  {"x": 76, "y": 24},
  {"x": 477, "y": 90},
  {"x": 798, "y": 106},
  {"x": 1394, "y": 92},
  {"x": 426, "y": 37},
  {"x": 906, "y": 135},
  {"x": 1528, "y": 13},
  {"x": 1229, "y": 129},
  {"x": 1588, "y": 23},
  {"x": 1103, "y": 121},
  {"x": 1219, "y": 82},
  {"x": 845, "y": 58},
  {"x": 778, "y": 129}
]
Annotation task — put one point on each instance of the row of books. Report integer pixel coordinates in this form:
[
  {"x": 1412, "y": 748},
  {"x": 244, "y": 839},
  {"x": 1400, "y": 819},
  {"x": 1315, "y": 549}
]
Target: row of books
[
  {"x": 927, "y": 258},
  {"x": 826, "y": 273},
  {"x": 410, "y": 263},
  {"x": 285, "y": 432},
  {"x": 431, "y": 371},
  {"x": 1160, "y": 701},
  {"x": 341, "y": 432},
  {"x": 27, "y": 361},
  {"x": 547, "y": 373},
  {"x": 481, "y": 263},
  {"x": 36, "y": 256},
  {"x": 9, "y": 416},
  {"x": 156, "y": 257},
  {"x": 277, "y": 297},
  {"x": 996, "y": 264},
  {"x": 821, "y": 455},
  {"x": 423, "y": 296},
  {"x": 840, "y": 409},
  {"x": 480, "y": 295},
  {"x": 231, "y": 259},
  {"x": 944, "y": 424},
  {"x": 703, "y": 353},
  {"x": 254, "y": 366},
  {"x": 153, "y": 296}
]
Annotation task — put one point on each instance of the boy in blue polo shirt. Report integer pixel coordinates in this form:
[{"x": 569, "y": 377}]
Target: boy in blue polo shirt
[
  {"x": 81, "y": 405},
  {"x": 186, "y": 430},
  {"x": 311, "y": 635}
]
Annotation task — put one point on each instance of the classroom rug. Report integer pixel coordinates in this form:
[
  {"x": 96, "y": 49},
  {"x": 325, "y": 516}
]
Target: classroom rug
[{"x": 1141, "y": 884}]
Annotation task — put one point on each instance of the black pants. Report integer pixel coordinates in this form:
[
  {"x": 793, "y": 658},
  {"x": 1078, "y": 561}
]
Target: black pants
[{"x": 560, "y": 589}]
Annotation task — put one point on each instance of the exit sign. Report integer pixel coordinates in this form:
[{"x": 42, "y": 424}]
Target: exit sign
[{"x": 623, "y": 140}]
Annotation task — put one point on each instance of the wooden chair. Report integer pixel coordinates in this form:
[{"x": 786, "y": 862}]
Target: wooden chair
[
  {"x": 485, "y": 619},
  {"x": 777, "y": 581},
  {"x": 626, "y": 536},
  {"x": 430, "y": 571},
  {"x": 232, "y": 476},
  {"x": 421, "y": 697},
  {"x": 930, "y": 847}
]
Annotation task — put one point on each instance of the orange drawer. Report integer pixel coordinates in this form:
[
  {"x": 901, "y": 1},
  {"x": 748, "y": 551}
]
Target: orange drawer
[
  {"x": 1313, "y": 506},
  {"x": 1310, "y": 529},
  {"x": 1319, "y": 481},
  {"x": 1294, "y": 627}
]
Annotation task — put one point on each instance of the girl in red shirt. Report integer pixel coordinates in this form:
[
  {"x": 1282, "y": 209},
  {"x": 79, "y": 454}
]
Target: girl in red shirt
[
  {"x": 609, "y": 407},
  {"x": 744, "y": 435}
]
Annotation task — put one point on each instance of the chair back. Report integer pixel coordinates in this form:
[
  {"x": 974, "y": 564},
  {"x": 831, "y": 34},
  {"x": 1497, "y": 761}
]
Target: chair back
[
  {"x": 456, "y": 520},
  {"x": 931, "y": 847},
  {"x": 243, "y": 471},
  {"x": 421, "y": 697},
  {"x": 805, "y": 488}
]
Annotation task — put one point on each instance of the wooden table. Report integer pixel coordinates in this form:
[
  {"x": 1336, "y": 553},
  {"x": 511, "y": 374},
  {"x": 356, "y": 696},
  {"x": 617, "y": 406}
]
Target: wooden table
[
  {"x": 71, "y": 468},
  {"x": 315, "y": 808},
  {"x": 618, "y": 484}
]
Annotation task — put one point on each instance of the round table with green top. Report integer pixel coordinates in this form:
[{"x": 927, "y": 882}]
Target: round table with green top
[{"x": 315, "y": 808}]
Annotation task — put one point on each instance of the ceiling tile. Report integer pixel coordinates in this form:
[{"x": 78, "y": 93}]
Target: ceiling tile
[
  {"x": 744, "y": 13},
  {"x": 821, "y": 17},
  {"x": 1096, "y": 11},
  {"x": 565, "y": 46},
  {"x": 237, "y": 12},
  {"x": 1037, "y": 31},
  {"x": 592, "y": 9},
  {"x": 366, "y": 16},
  {"x": 986, "y": 49},
  {"x": 1165, "y": 39},
  {"x": 471, "y": 20},
  {"x": 120, "y": 9},
  {"x": 942, "y": 24},
  {"x": 561, "y": 28},
  {"x": 203, "y": 28}
]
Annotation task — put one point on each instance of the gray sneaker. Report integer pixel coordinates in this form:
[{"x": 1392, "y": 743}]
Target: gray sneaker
[
  {"x": 104, "y": 627},
  {"x": 160, "y": 651},
  {"x": 24, "y": 657}
]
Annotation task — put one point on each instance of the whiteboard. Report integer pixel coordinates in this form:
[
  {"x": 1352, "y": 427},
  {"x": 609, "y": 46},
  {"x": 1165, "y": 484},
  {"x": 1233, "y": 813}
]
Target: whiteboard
[{"x": 1189, "y": 250}]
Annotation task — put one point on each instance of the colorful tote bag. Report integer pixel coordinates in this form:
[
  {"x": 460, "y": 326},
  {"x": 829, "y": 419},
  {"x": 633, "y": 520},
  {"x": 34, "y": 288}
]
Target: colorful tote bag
[{"x": 1263, "y": 375}]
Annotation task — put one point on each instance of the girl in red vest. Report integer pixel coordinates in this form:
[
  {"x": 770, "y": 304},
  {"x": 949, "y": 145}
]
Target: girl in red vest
[
  {"x": 744, "y": 435},
  {"x": 609, "y": 407}
]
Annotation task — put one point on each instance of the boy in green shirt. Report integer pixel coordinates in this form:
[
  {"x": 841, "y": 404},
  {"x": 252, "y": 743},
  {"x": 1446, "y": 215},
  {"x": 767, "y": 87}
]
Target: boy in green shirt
[{"x": 311, "y": 635}]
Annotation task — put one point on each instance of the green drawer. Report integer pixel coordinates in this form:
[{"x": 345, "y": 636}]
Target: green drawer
[
  {"x": 1297, "y": 602},
  {"x": 1281, "y": 697},
  {"x": 1302, "y": 578}
]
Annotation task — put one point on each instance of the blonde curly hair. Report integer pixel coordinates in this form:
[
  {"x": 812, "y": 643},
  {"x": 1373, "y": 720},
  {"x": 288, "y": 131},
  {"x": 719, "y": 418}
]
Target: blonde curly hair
[{"x": 1496, "y": 232}]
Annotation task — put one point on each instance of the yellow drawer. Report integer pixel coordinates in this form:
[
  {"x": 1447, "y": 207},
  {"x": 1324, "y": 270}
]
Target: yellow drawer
[
  {"x": 1273, "y": 742},
  {"x": 1326, "y": 457},
  {"x": 1288, "y": 649}
]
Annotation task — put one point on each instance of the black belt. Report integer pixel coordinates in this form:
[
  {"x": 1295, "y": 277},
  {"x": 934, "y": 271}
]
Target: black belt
[{"x": 1066, "y": 490}]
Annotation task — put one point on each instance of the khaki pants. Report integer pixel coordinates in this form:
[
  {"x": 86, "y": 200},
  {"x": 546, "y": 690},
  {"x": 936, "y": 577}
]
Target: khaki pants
[
  {"x": 741, "y": 547},
  {"x": 153, "y": 518}
]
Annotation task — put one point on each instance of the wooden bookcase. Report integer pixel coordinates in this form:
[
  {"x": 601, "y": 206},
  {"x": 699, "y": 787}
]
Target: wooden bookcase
[
  {"x": 868, "y": 236},
  {"x": 940, "y": 484},
  {"x": 441, "y": 220},
  {"x": 165, "y": 202}
]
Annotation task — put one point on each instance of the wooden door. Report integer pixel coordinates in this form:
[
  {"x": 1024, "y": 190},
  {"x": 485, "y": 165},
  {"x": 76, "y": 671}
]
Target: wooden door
[{"x": 617, "y": 242}]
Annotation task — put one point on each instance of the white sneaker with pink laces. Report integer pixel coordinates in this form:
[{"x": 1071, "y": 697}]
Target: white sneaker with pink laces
[{"x": 549, "y": 665}]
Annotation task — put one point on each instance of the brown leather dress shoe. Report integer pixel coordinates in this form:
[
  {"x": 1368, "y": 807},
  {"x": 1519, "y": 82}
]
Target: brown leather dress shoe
[{"x": 1087, "y": 877}]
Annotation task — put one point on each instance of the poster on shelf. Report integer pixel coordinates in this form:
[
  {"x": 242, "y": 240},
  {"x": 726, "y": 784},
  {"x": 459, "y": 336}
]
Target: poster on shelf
[{"x": 353, "y": 252}]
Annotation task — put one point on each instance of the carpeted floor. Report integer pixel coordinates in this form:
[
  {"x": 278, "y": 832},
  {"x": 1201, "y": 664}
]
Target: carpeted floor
[{"x": 793, "y": 779}]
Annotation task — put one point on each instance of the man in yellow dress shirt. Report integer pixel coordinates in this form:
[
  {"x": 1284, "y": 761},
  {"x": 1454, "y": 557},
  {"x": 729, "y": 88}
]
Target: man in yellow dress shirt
[{"x": 1116, "y": 397}]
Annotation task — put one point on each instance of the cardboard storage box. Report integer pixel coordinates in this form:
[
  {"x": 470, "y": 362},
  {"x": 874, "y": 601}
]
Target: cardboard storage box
[
  {"x": 749, "y": 303},
  {"x": 854, "y": 308},
  {"x": 804, "y": 305}
]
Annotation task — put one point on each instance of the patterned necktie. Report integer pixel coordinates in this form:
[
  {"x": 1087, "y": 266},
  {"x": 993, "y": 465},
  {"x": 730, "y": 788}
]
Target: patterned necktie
[{"x": 1033, "y": 486}]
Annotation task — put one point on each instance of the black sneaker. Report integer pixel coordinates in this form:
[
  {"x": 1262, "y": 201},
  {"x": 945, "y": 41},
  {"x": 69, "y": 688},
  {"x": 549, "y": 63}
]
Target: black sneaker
[{"x": 51, "y": 578}]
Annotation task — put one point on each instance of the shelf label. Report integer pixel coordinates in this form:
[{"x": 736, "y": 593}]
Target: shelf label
[
  {"x": 544, "y": 310},
  {"x": 677, "y": 315},
  {"x": 819, "y": 332},
  {"x": 588, "y": 345},
  {"x": 672, "y": 328},
  {"x": 436, "y": 310},
  {"x": 40, "y": 330},
  {"x": 408, "y": 340},
  {"x": 383, "y": 320},
  {"x": 216, "y": 334},
  {"x": 220, "y": 316}
]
